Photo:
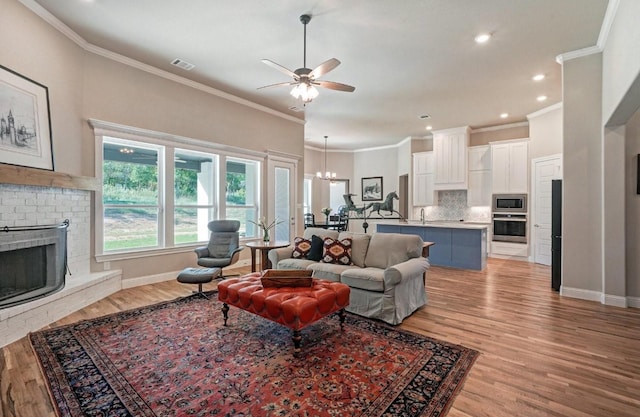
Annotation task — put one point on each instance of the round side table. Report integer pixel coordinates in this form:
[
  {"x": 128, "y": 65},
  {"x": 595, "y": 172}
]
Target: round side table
[{"x": 264, "y": 248}]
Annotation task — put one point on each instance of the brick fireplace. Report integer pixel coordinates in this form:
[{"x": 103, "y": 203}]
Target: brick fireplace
[{"x": 38, "y": 198}]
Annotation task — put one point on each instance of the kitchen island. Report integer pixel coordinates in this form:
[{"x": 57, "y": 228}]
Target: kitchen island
[{"x": 457, "y": 244}]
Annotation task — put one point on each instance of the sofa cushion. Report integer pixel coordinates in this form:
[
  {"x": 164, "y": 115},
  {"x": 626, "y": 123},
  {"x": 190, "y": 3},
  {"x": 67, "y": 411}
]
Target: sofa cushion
[
  {"x": 317, "y": 247},
  {"x": 359, "y": 246},
  {"x": 370, "y": 279},
  {"x": 328, "y": 271},
  {"x": 301, "y": 248},
  {"x": 318, "y": 231},
  {"x": 291, "y": 263},
  {"x": 337, "y": 251},
  {"x": 388, "y": 249}
]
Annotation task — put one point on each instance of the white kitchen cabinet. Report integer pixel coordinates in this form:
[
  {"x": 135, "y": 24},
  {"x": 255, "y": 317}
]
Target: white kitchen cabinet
[
  {"x": 510, "y": 167},
  {"x": 423, "y": 193},
  {"x": 479, "y": 191},
  {"x": 451, "y": 159}
]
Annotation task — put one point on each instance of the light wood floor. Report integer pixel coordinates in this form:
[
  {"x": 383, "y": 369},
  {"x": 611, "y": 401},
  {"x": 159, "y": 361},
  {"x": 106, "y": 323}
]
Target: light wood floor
[{"x": 541, "y": 355}]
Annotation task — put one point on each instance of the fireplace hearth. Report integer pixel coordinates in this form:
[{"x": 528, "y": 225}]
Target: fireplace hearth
[{"x": 33, "y": 262}]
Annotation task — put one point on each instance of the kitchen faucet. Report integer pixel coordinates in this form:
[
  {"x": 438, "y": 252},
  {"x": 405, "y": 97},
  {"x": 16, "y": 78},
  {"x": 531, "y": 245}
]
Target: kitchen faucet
[{"x": 422, "y": 215}]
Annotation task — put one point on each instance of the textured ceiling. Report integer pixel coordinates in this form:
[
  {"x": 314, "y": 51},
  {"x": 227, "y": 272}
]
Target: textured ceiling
[{"x": 405, "y": 58}]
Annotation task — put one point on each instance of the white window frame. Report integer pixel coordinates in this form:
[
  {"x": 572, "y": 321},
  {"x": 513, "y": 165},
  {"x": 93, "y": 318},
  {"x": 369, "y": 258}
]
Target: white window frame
[
  {"x": 307, "y": 203},
  {"x": 256, "y": 191},
  {"x": 170, "y": 142}
]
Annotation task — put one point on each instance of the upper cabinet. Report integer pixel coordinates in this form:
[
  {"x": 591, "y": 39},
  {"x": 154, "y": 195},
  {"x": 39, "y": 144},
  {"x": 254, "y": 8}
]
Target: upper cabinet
[
  {"x": 450, "y": 158},
  {"x": 479, "y": 192},
  {"x": 510, "y": 166},
  {"x": 423, "y": 194}
]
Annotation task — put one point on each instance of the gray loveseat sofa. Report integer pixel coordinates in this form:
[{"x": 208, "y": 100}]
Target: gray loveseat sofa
[{"x": 386, "y": 278}]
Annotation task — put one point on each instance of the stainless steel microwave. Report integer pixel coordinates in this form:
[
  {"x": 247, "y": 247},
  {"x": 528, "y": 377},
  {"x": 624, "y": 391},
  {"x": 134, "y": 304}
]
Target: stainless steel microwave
[{"x": 509, "y": 203}]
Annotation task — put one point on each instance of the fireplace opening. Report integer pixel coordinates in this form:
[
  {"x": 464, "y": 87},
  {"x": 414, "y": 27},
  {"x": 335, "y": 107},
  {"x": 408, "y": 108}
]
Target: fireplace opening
[{"x": 33, "y": 262}]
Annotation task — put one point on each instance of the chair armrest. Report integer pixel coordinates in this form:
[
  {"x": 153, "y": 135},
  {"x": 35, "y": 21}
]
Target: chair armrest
[
  {"x": 405, "y": 270},
  {"x": 236, "y": 250},
  {"x": 202, "y": 252},
  {"x": 276, "y": 255},
  {"x": 235, "y": 254}
]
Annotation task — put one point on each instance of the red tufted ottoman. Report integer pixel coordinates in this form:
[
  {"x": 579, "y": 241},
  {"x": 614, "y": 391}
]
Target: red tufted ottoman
[{"x": 293, "y": 307}]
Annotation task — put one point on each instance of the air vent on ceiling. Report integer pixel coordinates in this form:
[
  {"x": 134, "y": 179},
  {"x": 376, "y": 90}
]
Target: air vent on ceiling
[
  {"x": 296, "y": 108},
  {"x": 182, "y": 64}
]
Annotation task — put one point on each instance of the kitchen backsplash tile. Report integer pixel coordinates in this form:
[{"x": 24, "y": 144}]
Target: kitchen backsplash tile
[{"x": 452, "y": 205}]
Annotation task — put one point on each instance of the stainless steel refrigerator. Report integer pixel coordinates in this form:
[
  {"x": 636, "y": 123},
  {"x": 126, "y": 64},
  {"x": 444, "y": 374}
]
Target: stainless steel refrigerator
[{"x": 556, "y": 234}]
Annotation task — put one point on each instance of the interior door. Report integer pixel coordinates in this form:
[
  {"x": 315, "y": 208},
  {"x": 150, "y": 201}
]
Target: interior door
[
  {"x": 281, "y": 196},
  {"x": 544, "y": 170}
]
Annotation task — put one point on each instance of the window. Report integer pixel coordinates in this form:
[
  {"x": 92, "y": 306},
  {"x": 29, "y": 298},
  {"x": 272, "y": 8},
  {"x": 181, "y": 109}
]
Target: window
[
  {"x": 194, "y": 184},
  {"x": 158, "y": 197},
  {"x": 242, "y": 194},
  {"x": 131, "y": 195},
  {"x": 307, "y": 202}
]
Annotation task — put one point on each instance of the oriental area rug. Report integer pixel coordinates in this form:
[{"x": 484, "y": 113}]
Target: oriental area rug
[{"x": 177, "y": 359}]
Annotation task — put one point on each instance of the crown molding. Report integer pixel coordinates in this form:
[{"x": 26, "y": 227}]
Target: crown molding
[
  {"x": 81, "y": 42},
  {"x": 499, "y": 127},
  {"x": 579, "y": 53},
  {"x": 607, "y": 22}
]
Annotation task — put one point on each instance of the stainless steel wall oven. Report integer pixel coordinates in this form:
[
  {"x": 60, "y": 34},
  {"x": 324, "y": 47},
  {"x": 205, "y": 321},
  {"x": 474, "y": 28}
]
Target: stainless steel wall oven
[{"x": 510, "y": 227}]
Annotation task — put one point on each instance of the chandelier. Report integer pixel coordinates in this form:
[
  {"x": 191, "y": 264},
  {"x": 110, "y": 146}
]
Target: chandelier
[{"x": 327, "y": 175}]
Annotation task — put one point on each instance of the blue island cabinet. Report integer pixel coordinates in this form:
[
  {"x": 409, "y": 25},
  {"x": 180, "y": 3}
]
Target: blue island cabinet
[{"x": 455, "y": 247}]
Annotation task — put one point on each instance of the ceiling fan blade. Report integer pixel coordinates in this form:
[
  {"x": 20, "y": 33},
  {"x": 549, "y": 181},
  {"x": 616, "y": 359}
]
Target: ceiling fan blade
[
  {"x": 324, "y": 68},
  {"x": 281, "y": 69},
  {"x": 334, "y": 86},
  {"x": 278, "y": 85}
]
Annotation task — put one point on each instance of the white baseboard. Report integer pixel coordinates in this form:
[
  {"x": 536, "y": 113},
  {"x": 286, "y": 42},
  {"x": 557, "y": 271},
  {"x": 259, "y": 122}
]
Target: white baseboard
[
  {"x": 606, "y": 299},
  {"x": 633, "y": 302},
  {"x": 614, "y": 300},
  {"x": 149, "y": 279},
  {"x": 168, "y": 276},
  {"x": 581, "y": 294}
]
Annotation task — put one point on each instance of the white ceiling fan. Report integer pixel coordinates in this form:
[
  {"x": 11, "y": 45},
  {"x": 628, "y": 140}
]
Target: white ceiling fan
[{"x": 305, "y": 79}]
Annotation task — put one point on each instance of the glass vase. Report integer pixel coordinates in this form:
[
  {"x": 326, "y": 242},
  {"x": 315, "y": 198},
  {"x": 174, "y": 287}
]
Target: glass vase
[{"x": 265, "y": 235}]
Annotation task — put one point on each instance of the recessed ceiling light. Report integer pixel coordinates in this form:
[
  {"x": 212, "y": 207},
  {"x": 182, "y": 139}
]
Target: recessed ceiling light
[
  {"x": 482, "y": 38},
  {"x": 538, "y": 77},
  {"x": 429, "y": 127},
  {"x": 504, "y": 115},
  {"x": 541, "y": 98}
]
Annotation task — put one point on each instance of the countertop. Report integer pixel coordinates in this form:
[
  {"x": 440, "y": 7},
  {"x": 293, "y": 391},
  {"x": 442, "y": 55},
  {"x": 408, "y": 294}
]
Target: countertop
[{"x": 442, "y": 224}]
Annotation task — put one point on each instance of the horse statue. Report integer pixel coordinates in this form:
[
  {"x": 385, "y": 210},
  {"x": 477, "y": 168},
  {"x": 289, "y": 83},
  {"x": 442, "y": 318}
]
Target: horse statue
[
  {"x": 350, "y": 205},
  {"x": 386, "y": 205}
]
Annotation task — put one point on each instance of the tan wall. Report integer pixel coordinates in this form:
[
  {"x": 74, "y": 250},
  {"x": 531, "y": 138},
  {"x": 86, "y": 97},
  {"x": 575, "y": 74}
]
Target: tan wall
[
  {"x": 621, "y": 61},
  {"x": 632, "y": 206},
  {"x": 374, "y": 163},
  {"x": 83, "y": 85},
  {"x": 582, "y": 165},
  {"x": 483, "y": 137},
  {"x": 39, "y": 52},
  {"x": 545, "y": 133}
]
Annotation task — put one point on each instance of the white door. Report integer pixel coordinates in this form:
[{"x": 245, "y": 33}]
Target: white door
[
  {"x": 281, "y": 197},
  {"x": 544, "y": 170}
]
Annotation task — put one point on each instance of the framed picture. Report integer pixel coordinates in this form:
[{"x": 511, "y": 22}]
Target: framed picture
[
  {"x": 372, "y": 189},
  {"x": 25, "y": 124}
]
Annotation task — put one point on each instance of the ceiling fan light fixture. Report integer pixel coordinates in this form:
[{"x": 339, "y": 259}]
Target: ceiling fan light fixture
[{"x": 304, "y": 92}]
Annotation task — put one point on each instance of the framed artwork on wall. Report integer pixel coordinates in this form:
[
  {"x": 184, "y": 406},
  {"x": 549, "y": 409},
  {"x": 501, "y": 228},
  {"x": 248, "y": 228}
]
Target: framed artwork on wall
[
  {"x": 372, "y": 189},
  {"x": 25, "y": 123}
]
